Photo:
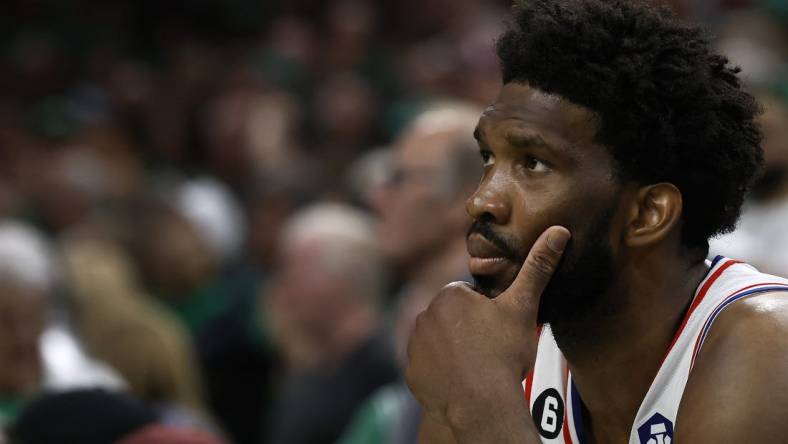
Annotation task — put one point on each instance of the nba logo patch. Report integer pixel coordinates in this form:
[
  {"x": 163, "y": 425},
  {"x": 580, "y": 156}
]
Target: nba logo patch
[{"x": 657, "y": 430}]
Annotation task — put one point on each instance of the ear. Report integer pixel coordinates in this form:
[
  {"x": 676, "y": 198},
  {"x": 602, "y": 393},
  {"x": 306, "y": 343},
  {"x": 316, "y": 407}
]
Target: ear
[{"x": 655, "y": 213}]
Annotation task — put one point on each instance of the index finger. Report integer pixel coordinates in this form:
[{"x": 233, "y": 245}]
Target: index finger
[{"x": 526, "y": 290}]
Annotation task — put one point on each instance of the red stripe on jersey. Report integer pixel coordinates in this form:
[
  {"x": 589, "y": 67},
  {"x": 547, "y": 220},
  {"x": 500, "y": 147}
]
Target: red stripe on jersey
[
  {"x": 698, "y": 299},
  {"x": 567, "y": 435},
  {"x": 529, "y": 380}
]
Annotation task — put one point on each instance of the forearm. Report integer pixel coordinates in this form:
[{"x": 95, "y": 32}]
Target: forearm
[
  {"x": 499, "y": 422},
  {"x": 503, "y": 423}
]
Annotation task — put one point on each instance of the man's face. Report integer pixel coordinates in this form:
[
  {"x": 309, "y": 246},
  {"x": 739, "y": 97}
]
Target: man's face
[
  {"x": 310, "y": 291},
  {"x": 415, "y": 205},
  {"x": 543, "y": 168},
  {"x": 178, "y": 260}
]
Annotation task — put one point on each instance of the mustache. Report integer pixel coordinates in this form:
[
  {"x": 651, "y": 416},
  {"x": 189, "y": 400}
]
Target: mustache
[{"x": 485, "y": 230}]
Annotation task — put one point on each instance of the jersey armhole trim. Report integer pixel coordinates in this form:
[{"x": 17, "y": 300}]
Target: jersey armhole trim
[
  {"x": 730, "y": 299},
  {"x": 704, "y": 289}
]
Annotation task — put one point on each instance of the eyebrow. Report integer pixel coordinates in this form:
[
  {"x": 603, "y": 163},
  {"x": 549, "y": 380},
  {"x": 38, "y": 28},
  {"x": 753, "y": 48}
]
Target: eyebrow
[
  {"x": 477, "y": 134},
  {"x": 519, "y": 138}
]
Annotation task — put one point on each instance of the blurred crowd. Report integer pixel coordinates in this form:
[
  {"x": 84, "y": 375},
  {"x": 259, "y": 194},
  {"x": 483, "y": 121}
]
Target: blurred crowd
[{"x": 219, "y": 219}]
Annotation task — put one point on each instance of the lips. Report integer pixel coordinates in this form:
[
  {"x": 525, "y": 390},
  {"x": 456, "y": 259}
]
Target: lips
[{"x": 486, "y": 259}]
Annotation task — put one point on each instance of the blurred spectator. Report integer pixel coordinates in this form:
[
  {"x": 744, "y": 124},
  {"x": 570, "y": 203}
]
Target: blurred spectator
[
  {"x": 225, "y": 118},
  {"x": 98, "y": 417},
  {"x": 435, "y": 167},
  {"x": 253, "y": 133},
  {"x": 347, "y": 108},
  {"x": 368, "y": 175},
  {"x": 210, "y": 207},
  {"x": 324, "y": 307},
  {"x": 761, "y": 238},
  {"x": 187, "y": 248},
  {"x": 268, "y": 207},
  {"x": 757, "y": 43},
  {"x": 149, "y": 348},
  {"x": 84, "y": 416},
  {"x": 158, "y": 434},
  {"x": 37, "y": 348}
]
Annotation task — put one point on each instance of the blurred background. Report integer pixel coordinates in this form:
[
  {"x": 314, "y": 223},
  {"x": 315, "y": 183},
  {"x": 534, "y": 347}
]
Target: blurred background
[{"x": 219, "y": 218}]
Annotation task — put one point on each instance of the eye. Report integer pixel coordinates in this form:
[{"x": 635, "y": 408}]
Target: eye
[
  {"x": 487, "y": 158},
  {"x": 536, "y": 165}
]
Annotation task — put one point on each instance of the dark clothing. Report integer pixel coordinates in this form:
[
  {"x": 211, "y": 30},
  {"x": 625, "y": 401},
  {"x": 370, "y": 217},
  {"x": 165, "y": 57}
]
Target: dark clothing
[
  {"x": 85, "y": 416},
  {"x": 238, "y": 360},
  {"x": 316, "y": 406}
]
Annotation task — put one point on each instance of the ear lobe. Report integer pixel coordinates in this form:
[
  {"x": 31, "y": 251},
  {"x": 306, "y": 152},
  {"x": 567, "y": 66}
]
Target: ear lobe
[{"x": 656, "y": 213}]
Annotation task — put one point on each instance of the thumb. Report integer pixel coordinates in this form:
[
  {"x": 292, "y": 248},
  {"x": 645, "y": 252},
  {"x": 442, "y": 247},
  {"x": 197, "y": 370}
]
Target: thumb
[{"x": 526, "y": 290}]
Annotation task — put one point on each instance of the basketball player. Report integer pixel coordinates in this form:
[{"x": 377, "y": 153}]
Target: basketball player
[{"x": 619, "y": 144}]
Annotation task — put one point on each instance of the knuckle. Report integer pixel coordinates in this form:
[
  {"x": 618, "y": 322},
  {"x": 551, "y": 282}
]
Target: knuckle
[
  {"x": 445, "y": 298},
  {"x": 440, "y": 301},
  {"x": 456, "y": 287},
  {"x": 450, "y": 299}
]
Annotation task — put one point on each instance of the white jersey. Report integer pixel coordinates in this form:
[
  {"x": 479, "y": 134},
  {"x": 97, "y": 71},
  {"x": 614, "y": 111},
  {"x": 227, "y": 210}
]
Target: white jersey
[{"x": 556, "y": 405}]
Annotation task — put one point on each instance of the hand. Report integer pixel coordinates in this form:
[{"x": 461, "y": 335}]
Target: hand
[{"x": 469, "y": 354}]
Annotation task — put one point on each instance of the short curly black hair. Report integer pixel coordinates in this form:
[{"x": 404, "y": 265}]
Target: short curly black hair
[{"x": 668, "y": 107}]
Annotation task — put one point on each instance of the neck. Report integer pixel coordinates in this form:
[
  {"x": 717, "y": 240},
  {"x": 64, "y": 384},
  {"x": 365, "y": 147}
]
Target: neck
[
  {"x": 615, "y": 356},
  {"x": 446, "y": 265}
]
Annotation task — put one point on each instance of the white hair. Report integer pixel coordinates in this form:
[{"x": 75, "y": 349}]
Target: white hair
[
  {"x": 26, "y": 257},
  {"x": 347, "y": 244},
  {"x": 448, "y": 116},
  {"x": 210, "y": 206},
  {"x": 458, "y": 119}
]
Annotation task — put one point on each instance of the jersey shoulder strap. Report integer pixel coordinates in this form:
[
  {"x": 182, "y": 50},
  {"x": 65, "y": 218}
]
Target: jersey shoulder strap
[
  {"x": 556, "y": 405},
  {"x": 726, "y": 282}
]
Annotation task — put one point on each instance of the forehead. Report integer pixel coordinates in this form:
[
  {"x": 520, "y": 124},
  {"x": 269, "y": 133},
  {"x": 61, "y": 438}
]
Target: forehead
[{"x": 521, "y": 107}]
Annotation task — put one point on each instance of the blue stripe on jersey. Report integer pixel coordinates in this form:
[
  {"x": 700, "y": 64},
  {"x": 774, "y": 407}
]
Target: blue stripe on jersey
[
  {"x": 714, "y": 263},
  {"x": 729, "y": 301},
  {"x": 716, "y": 260},
  {"x": 577, "y": 413}
]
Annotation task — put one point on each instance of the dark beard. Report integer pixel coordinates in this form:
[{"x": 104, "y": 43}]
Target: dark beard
[
  {"x": 585, "y": 273},
  {"x": 579, "y": 293}
]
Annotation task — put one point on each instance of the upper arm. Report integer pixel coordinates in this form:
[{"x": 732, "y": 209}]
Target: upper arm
[{"x": 738, "y": 389}]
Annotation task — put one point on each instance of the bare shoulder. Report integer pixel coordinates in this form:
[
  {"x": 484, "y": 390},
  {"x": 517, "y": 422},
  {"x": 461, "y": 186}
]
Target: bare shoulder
[
  {"x": 738, "y": 389},
  {"x": 764, "y": 313}
]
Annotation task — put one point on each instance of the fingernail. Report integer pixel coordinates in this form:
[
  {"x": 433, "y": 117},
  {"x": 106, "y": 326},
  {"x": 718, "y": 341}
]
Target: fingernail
[{"x": 557, "y": 242}]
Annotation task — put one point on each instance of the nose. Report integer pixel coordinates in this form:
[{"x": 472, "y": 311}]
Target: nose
[{"x": 489, "y": 203}]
